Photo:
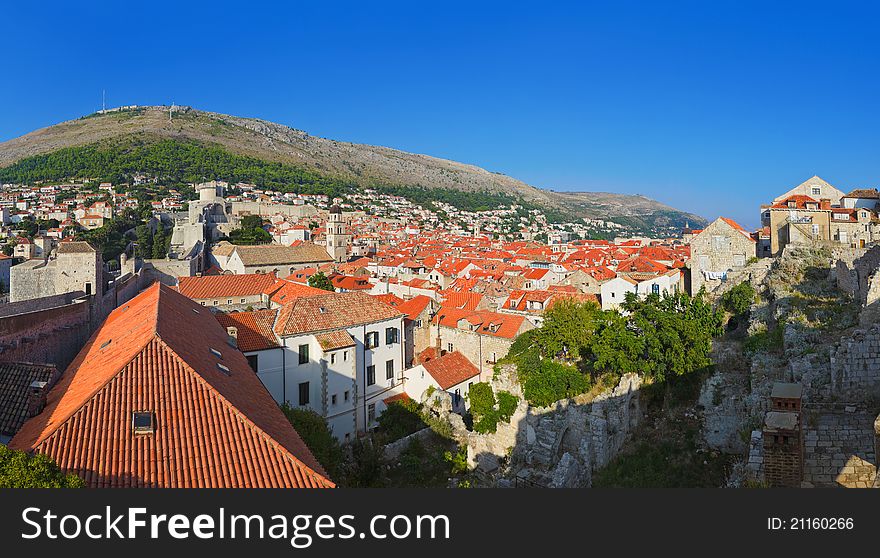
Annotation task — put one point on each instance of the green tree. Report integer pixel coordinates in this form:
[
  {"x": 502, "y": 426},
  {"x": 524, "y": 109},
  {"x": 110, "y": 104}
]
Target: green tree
[
  {"x": 159, "y": 244},
  {"x": 321, "y": 281},
  {"x": 20, "y": 470},
  {"x": 739, "y": 299},
  {"x": 316, "y": 434},
  {"x": 145, "y": 241},
  {"x": 567, "y": 329}
]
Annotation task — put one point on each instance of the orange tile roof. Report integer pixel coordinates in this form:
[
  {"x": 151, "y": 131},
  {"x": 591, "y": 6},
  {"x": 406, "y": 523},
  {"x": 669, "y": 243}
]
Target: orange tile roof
[
  {"x": 414, "y": 306},
  {"x": 463, "y": 301},
  {"x": 291, "y": 291},
  {"x": 507, "y": 325},
  {"x": 332, "y": 340},
  {"x": 220, "y": 286},
  {"x": 254, "y": 329},
  {"x": 331, "y": 311},
  {"x": 451, "y": 369},
  {"x": 213, "y": 429}
]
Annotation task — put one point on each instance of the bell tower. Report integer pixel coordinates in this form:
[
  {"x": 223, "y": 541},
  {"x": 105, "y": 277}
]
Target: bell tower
[{"x": 337, "y": 235}]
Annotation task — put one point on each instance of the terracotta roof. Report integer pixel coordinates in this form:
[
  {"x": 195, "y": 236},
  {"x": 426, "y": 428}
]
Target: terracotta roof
[
  {"x": 490, "y": 323},
  {"x": 213, "y": 427},
  {"x": 414, "y": 306},
  {"x": 254, "y": 329},
  {"x": 277, "y": 254},
  {"x": 799, "y": 200},
  {"x": 291, "y": 291},
  {"x": 15, "y": 381},
  {"x": 331, "y": 311},
  {"x": 864, "y": 193},
  {"x": 451, "y": 369},
  {"x": 332, "y": 340},
  {"x": 402, "y": 397},
  {"x": 463, "y": 300},
  {"x": 220, "y": 286}
]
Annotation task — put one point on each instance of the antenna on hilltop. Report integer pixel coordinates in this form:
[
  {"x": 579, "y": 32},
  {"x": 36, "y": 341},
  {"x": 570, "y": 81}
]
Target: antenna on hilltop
[
  {"x": 170, "y": 109},
  {"x": 103, "y": 100}
]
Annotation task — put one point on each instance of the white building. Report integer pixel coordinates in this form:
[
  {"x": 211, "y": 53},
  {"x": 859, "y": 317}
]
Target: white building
[
  {"x": 339, "y": 354},
  {"x": 613, "y": 292}
]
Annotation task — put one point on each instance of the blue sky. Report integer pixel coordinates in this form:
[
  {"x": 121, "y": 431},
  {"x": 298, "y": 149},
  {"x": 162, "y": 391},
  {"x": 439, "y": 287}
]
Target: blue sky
[{"x": 710, "y": 107}]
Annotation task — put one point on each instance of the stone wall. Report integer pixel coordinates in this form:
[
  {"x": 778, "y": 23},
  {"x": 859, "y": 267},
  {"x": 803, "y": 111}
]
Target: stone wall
[
  {"x": 52, "y": 335},
  {"x": 855, "y": 365},
  {"x": 555, "y": 446}
]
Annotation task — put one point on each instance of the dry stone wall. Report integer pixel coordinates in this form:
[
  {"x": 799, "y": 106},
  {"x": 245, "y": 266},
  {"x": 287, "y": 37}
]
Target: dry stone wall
[{"x": 555, "y": 446}]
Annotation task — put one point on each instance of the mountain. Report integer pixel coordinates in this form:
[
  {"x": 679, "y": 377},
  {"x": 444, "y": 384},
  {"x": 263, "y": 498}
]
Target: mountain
[{"x": 350, "y": 162}]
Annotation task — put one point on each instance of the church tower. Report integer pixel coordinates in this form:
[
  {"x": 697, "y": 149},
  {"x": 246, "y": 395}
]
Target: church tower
[{"x": 337, "y": 235}]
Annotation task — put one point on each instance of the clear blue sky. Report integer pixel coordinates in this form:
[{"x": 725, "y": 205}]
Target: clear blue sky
[{"x": 710, "y": 107}]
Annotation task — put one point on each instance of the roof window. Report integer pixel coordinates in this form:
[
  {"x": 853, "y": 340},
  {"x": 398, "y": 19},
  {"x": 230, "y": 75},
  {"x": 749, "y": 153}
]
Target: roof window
[
  {"x": 142, "y": 422},
  {"x": 216, "y": 353},
  {"x": 223, "y": 368}
]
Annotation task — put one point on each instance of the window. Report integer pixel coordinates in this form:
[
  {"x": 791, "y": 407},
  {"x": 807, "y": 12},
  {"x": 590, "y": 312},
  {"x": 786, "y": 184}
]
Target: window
[
  {"x": 389, "y": 370},
  {"x": 371, "y": 413},
  {"x": 229, "y": 301},
  {"x": 216, "y": 303},
  {"x": 448, "y": 347},
  {"x": 345, "y": 396},
  {"x": 142, "y": 422},
  {"x": 372, "y": 340},
  {"x": 815, "y": 229},
  {"x": 739, "y": 260},
  {"x": 242, "y": 301},
  {"x": 333, "y": 399},
  {"x": 304, "y": 393},
  {"x": 344, "y": 356},
  {"x": 816, "y": 191},
  {"x": 391, "y": 335},
  {"x": 655, "y": 288},
  {"x": 252, "y": 361},
  {"x": 371, "y": 375},
  {"x": 332, "y": 358},
  {"x": 418, "y": 323},
  {"x": 303, "y": 354},
  {"x": 204, "y": 303}
]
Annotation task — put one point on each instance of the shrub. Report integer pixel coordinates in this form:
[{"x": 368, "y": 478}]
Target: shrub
[
  {"x": 400, "y": 419},
  {"x": 553, "y": 381},
  {"x": 20, "y": 470},
  {"x": 316, "y": 434},
  {"x": 506, "y": 405},
  {"x": 739, "y": 299}
]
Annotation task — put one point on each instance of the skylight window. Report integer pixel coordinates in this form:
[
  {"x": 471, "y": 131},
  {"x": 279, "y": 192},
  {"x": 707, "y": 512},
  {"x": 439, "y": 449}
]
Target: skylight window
[
  {"x": 216, "y": 353},
  {"x": 223, "y": 368},
  {"x": 105, "y": 343},
  {"x": 142, "y": 422}
]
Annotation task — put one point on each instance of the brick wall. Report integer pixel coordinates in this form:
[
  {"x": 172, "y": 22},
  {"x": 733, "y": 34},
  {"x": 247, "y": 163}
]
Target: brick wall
[{"x": 783, "y": 458}]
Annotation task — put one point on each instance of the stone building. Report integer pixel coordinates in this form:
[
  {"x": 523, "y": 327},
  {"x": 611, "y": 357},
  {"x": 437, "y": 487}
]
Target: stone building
[
  {"x": 283, "y": 260},
  {"x": 337, "y": 236},
  {"x": 799, "y": 220},
  {"x": 484, "y": 337},
  {"x": 75, "y": 267},
  {"x": 721, "y": 247}
]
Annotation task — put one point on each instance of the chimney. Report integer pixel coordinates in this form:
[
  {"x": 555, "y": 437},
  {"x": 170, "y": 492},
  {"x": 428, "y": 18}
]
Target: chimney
[
  {"x": 36, "y": 398},
  {"x": 825, "y": 203},
  {"x": 233, "y": 335}
]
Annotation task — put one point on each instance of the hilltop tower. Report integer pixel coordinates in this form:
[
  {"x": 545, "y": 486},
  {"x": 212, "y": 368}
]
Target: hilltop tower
[{"x": 337, "y": 235}]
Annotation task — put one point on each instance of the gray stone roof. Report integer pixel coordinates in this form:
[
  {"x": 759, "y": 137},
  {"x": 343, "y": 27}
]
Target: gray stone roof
[
  {"x": 277, "y": 254},
  {"x": 15, "y": 386},
  {"x": 76, "y": 247}
]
